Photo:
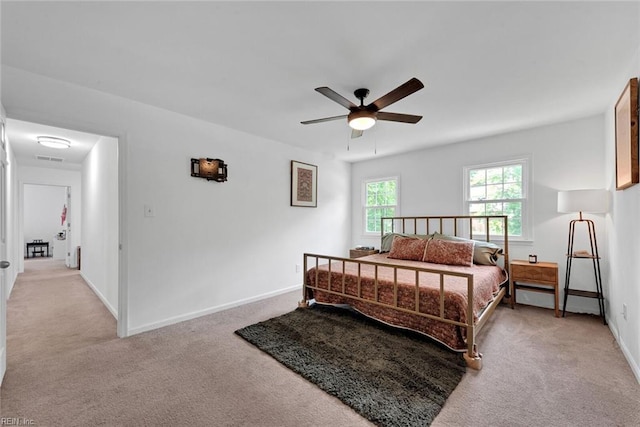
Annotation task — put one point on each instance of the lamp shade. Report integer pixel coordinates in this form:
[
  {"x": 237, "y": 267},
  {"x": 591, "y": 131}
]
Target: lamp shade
[{"x": 590, "y": 201}]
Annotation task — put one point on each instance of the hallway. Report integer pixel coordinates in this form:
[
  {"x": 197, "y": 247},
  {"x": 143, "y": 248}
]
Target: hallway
[{"x": 51, "y": 312}]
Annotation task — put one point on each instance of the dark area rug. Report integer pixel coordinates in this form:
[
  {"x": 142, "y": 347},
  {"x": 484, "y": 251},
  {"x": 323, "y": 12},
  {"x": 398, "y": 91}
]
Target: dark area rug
[{"x": 390, "y": 376}]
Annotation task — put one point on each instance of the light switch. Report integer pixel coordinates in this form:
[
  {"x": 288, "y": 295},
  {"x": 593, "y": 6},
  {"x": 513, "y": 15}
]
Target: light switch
[{"x": 148, "y": 211}]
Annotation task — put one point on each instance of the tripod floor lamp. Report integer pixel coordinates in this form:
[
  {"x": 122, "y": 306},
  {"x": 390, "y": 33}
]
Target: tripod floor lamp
[{"x": 584, "y": 201}]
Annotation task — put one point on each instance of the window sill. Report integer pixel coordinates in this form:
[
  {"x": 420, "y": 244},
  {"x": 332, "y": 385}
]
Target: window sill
[
  {"x": 514, "y": 242},
  {"x": 371, "y": 235}
]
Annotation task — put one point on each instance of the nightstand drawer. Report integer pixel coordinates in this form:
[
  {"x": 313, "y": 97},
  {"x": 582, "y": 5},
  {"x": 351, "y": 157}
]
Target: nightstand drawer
[{"x": 538, "y": 274}]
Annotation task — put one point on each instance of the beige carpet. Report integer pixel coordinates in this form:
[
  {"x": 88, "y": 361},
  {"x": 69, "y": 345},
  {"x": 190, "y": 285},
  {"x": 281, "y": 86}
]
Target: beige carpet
[
  {"x": 51, "y": 311},
  {"x": 65, "y": 367}
]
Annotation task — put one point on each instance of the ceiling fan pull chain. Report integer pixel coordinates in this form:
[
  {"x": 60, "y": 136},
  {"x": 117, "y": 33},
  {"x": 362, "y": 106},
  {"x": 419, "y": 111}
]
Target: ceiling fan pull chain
[{"x": 375, "y": 142}]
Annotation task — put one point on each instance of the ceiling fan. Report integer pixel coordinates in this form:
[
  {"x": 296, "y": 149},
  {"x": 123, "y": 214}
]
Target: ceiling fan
[{"x": 363, "y": 117}]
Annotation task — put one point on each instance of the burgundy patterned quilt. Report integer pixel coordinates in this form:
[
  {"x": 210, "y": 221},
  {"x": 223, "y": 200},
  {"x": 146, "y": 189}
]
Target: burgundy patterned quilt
[{"x": 486, "y": 283}]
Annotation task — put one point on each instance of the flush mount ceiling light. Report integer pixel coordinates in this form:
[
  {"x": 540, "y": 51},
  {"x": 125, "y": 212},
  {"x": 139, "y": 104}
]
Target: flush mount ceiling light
[{"x": 53, "y": 142}]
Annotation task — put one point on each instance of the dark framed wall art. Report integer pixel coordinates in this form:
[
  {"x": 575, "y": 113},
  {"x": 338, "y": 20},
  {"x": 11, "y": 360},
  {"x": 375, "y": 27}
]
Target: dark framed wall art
[
  {"x": 304, "y": 184},
  {"x": 626, "y": 121}
]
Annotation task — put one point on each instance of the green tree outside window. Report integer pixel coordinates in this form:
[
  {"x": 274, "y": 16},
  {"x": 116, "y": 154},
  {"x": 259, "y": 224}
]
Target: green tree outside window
[
  {"x": 497, "y": 190},
  {"x": 381, "y": 200}
]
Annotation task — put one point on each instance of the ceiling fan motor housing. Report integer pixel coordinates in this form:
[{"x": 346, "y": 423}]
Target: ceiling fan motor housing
[{"x": 361, "y": 94}]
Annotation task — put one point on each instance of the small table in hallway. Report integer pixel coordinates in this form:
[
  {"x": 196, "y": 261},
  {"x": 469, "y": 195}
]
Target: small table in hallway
[{"x": 39, "y": 246}]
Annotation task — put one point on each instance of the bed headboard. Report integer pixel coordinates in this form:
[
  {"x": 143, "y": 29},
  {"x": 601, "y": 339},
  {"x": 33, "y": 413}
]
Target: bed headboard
[{"x": 487, "y": 228}]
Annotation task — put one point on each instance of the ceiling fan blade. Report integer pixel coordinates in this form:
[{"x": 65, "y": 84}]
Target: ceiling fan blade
[
  {"x": 355, "y": 133},
  {"x": 334, "y": 96},
  {"x": 397, "y": 94},
  {"x": 326, "y": 119},
  {"x": 398, "y": 117}
]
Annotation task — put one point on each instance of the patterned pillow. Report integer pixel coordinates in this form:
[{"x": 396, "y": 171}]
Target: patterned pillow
[
  {"x": 407, "y": 248},
  {"x": 387, "y": 239},
  {"x": 484, "y": 253},
  {"x": 449, "y": 252}
]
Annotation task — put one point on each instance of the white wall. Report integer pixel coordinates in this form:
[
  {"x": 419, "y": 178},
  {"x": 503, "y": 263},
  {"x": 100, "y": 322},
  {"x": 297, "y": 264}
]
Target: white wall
[
  {"x": 4, "y": 285},
  {"x": 564, "y": 156},
  {"x": 14, "y": 244},
  {"x": 210, "y": 245},
  {"x": 42, "y": 211},
  {"x": 55, "y": 177},
  {"x": 99, "y": 228},
  {"x": 214, "y": 244},
  {"x": 624, "y": 240}
]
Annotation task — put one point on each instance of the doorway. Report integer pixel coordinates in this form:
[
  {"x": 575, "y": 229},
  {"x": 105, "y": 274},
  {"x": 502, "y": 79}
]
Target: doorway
[
  {"x": 3, "y": 247},
  {"x": 46, "y": 218},
  {"x": 84, "y": 214}
]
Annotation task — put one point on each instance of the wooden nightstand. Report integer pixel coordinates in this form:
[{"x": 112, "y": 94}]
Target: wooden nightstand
[
  {"x": 544, "y": 275},
  {"x": 357, "y": 253}
]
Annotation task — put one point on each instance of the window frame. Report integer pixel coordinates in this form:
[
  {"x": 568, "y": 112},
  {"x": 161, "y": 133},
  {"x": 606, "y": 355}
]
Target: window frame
[
  {"x": 367, "y": 181},
  {"x": 526, "y": 200}
]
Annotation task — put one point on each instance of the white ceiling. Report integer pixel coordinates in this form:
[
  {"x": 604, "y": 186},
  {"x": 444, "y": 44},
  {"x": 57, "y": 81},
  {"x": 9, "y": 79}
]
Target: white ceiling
[
  {"x": 488, "y": 67},
  {"x": 27, "y": 150}
]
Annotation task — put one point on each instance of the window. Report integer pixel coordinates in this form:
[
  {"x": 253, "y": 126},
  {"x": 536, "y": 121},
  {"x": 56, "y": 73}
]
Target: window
[
  {"x": 380, "y": 199},
  {"x": 499, "y": 189}
]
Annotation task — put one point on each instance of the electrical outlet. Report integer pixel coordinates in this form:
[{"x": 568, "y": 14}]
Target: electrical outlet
[
  {"x": 297, "y": 268},
  {"x": 624, "y": 311}
]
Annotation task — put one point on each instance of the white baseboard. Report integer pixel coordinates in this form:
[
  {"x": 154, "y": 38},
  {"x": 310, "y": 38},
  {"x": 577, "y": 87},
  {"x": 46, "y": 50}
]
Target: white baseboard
[
  {"x": 211, "y": 310},
  {"x": 3, "y": 363},
  {"x": 12, "y": 283},
  {"x": 112, "y": 310},
  {"x": 625, "y": 350}
]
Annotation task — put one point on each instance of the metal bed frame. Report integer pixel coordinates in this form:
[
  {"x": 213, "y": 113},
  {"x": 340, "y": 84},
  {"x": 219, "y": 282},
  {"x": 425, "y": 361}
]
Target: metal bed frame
[{"x": 461, "y": 226}]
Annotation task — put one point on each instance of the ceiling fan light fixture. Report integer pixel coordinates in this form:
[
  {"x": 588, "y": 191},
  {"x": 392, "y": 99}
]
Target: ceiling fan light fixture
[
  {"x": 362, "y": 120},
  {"x": 53, "y": 142}
]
